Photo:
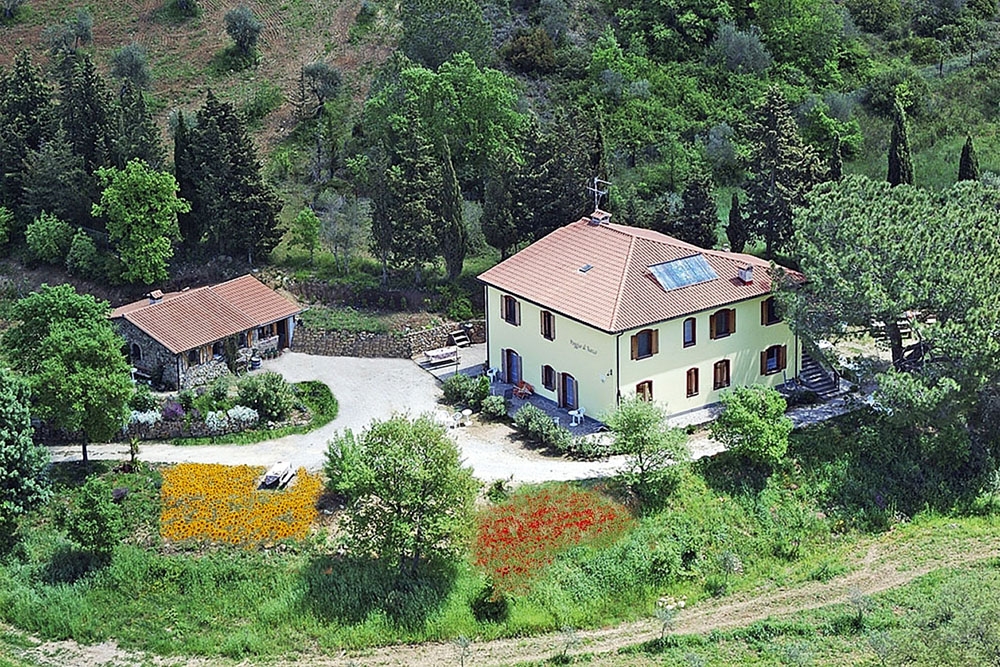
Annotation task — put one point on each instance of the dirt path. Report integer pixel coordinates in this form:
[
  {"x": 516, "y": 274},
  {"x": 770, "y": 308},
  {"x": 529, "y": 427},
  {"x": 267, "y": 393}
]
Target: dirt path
[{"x": 879, "y": 565}]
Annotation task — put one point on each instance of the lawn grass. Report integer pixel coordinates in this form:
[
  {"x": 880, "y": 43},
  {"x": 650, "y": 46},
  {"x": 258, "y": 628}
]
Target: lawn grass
[
  {"x": 315, "y": 396},
  {"x": 712, "y": 538}
]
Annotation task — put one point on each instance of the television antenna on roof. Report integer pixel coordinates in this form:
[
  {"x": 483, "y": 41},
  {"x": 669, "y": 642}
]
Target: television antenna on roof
[{"x": 598, "y": 192}]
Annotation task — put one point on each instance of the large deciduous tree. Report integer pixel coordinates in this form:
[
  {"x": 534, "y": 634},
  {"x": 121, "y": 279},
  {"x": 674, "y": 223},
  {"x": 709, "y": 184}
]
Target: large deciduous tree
[
  {"x": 23, "y": 483},
  {"x": 141, "y": 208},
  {"x": 781, "y": 170},
  {"x": 409, "y": 497},
  {"x": 64, "y": 344}
]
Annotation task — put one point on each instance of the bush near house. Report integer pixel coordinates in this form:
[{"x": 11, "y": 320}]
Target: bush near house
[
  {"x": 537, "y": 427},
  {"x": 461, "y": 389}
]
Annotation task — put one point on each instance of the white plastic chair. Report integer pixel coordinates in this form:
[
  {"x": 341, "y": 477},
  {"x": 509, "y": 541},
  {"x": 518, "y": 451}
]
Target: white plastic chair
[{"x": 577, "y": 416}]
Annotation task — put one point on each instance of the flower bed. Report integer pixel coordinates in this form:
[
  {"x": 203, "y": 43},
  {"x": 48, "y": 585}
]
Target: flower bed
[
  {"x": 218, "y": 503},
  {"x": 517, "y": 539}
]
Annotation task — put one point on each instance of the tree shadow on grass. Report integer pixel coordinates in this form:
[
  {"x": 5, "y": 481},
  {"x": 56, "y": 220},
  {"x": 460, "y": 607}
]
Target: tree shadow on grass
[
  {"x": 69, "y": 563},
  {"x": 347, "y": 590}
]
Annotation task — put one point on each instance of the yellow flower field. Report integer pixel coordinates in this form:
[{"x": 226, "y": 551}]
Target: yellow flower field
[{"x": 219, "y": 503}]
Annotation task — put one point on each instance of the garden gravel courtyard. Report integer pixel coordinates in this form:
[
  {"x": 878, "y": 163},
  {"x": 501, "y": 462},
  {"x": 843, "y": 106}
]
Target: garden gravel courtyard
[{"x": 369, "y": 389}]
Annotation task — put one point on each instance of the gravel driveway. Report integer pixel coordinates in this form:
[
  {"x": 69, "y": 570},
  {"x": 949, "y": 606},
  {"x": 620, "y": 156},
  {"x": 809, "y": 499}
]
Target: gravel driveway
[{"x": 367, "y": 389}]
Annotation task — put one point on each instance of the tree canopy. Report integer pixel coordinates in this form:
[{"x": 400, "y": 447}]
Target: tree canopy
[
  {"x": 23, "y": 482},
  {"x": 409, "y": 498}
]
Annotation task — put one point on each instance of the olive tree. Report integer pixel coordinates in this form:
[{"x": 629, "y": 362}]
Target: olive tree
[{"x": 243, "y": 28}]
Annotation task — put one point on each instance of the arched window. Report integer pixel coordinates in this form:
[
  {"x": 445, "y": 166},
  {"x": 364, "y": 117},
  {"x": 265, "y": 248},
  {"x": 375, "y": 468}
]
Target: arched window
[
  {"x": 645, "y": 344},
  {"x": 135, "y": 353},
  {"x": 772, "y": 360},
  {"x": 690, "y": 333}
]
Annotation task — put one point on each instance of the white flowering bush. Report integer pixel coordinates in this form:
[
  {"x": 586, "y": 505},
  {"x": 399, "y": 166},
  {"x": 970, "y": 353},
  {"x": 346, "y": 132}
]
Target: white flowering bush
[
  {"x": 217, "y": 422},
  {"x": 241, "y": 417},
  {"x": 144, "y": 418}
]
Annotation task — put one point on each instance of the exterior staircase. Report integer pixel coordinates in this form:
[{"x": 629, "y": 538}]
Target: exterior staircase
[
  {"x": 817, "y": 379},
  {"x": 460, "y": 338}
]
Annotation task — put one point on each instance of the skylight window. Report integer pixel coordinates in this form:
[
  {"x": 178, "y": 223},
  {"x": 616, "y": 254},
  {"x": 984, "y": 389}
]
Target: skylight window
[
  {"x": 683, "y": 272},
  {"x": 586, "y": 267}
]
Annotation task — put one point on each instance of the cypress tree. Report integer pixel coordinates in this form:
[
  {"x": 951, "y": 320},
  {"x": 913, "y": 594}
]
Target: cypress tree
[
  {"x": 135, "y": 134},
  {"x": 85, "y": 112},
  {"x": 190, "y": 222},
  {"x": 699, "y": 216},
  {"x": 900, "y": 160},
  {"x": 968, "y": 165},
  {"x": 453, "y": 239},
  {"x": 836, "y": 161},
  {"x": 497, "y": 222},
  {"x": 781, "y": 169},
  {"x": 736, "y": 230},
  {"x": 28, "y": 120}
]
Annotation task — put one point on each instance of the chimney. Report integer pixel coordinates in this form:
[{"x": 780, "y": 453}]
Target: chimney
[
  {"x": 746, "y": 275},
  {"x": 599, "y": 217},
  {"x": 155, "y": 296}
]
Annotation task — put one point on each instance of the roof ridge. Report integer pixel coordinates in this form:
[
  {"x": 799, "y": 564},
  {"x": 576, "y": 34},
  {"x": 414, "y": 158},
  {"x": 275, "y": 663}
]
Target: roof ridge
[
  {"x": 621, "y": 283},
  {"x": 164, "y": 299}
]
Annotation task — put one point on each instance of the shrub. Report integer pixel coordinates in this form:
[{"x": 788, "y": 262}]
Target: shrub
[
  {"x": 143, "y": 400},
  {"x": 243, "y": 28},
  {"x": 241, "y": 417},
  {"x": 494, "y": 408},
  {"x": 48, "y": 238},
  {"x": 269, "y": 394},
  {"x": 461, "y": 389},
  {"x": 144, "y": 418},
  {"x": 172, "y": 410},
  {"x": 186, "y": 398},
  {"x": 94, "y": 521},
  {"x": 82, "y": 259},
  {"x": 537, "y": 427},
  {"x": 217, "y": 422},
  {"x": 753, "y": 423}
]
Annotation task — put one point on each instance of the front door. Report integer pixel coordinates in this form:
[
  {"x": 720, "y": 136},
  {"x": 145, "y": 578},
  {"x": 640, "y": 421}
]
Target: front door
[
  {"x": 569, "y": 392},
  {"x": 513, "y": 367}
]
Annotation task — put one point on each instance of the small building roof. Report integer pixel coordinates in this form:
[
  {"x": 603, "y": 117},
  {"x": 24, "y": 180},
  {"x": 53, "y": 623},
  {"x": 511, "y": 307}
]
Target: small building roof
[
  {"x": 184, "y": 320},
  {"x": 621, "y": 290}
]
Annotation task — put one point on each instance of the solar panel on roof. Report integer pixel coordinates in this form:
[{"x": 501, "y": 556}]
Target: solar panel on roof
[{"x": 683, "y": 272}]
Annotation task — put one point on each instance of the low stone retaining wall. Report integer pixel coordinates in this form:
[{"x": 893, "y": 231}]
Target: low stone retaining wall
[{"x": 385, "y": 345}]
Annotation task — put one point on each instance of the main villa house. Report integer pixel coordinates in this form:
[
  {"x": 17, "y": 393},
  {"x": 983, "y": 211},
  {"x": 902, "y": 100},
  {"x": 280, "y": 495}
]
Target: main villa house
[{"x": 596, "y": 311}]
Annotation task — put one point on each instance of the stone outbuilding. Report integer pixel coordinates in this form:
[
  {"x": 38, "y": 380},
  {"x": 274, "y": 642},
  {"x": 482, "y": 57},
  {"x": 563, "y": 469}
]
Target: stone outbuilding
[{"x": 189, "y": 338}]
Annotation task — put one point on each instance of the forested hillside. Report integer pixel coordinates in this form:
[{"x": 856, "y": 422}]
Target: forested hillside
[{"x": 394, "y": 143}]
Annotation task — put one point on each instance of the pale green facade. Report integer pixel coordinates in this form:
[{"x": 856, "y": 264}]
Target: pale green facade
[{"x": 602, "y": 366}]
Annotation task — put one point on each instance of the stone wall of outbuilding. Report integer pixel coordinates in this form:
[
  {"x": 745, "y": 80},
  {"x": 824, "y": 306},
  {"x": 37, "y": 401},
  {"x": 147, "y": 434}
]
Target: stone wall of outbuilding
[{"x": 386, "y": 345}]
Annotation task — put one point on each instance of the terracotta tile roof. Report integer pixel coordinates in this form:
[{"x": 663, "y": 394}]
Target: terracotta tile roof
[
  {"x": 185, "y": 320},
  {"x": 619, "y": 293}
]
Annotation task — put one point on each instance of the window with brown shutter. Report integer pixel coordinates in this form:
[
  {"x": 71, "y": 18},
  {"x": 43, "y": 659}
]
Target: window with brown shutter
[
  {"x": 548, "y": 377},
  {"x": 720, "y": 374},
  {"x": 722, "y": 323},
  {"x": 548, "y": 325},
  {"x": 645, "y": 344},
  {"x": 692, "y": 382},
  {"x": 510, "y": 310},
  {"x": 772, "y": 360},
  {"x": 644, "y": 390},
  {"x": 769, "y": 312}
]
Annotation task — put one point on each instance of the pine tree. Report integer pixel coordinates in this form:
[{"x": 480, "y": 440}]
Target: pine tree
[
  {"x": 900, "y": 160},
  {"x": 28, "y": 120},
  {"x": 781, "y": 170},
  {"x": 135, "y": 134},
  {"x": 54, "y": 180},
  {"x": 736, "y": 230},
  {"x": 968, "y": 165},
  {"x": 699, "y": 216}
]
